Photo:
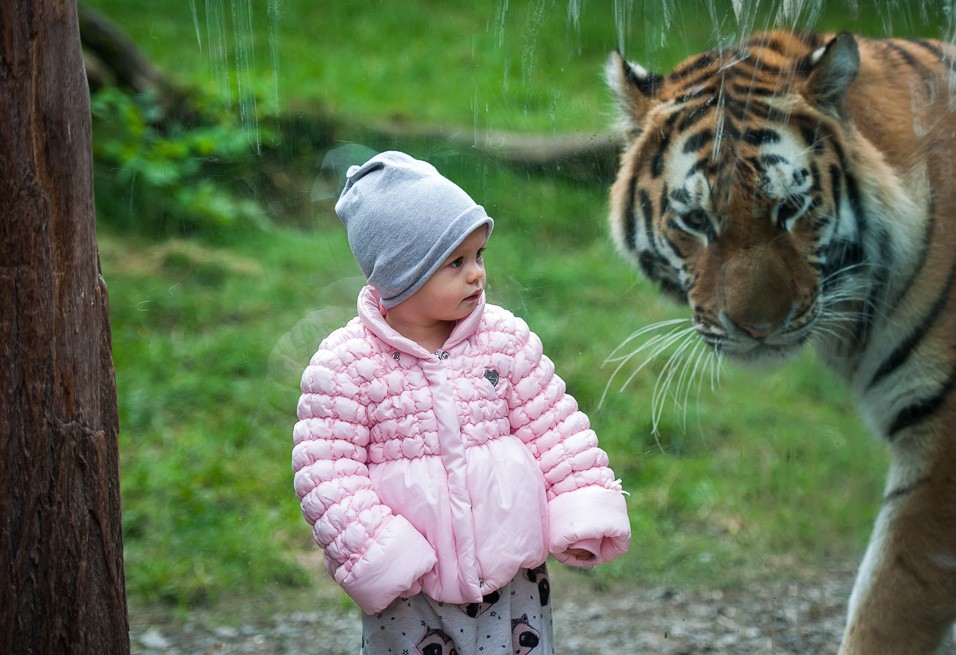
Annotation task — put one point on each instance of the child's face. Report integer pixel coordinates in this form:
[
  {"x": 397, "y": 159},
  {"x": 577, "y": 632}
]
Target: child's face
[{"x": 453, "y": 291}]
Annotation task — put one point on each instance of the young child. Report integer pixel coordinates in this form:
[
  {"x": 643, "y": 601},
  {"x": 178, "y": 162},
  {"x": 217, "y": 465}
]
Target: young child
[{"x": 437, "y": 455}]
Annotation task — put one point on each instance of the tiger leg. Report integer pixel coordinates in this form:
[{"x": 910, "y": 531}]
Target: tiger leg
[{"x": 904, "y": 599}]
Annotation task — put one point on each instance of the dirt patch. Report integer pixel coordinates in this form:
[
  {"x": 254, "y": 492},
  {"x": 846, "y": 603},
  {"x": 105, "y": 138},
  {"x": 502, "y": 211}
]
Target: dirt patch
[{"x": 787, "y": 616}]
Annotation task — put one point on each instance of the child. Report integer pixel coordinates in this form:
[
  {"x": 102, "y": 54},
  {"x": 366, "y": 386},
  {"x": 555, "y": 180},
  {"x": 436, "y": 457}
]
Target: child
[{"x": 437, "y": 455}]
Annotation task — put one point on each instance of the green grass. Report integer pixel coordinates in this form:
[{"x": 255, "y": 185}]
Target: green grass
[{"x": 768, "y": 473}]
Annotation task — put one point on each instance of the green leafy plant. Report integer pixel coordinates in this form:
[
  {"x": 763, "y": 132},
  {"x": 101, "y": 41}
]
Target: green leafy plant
[{"x": 169, "y": 179}]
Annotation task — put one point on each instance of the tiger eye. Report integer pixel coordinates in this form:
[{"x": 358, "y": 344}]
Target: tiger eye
[{"x": 697, "y": 220}]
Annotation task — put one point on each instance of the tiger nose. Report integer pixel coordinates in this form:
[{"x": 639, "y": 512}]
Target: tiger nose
[
  {"x": 755, "y": 327},
  {"x": 755, "y": 292},
  {"x": 758, "y": 331}
]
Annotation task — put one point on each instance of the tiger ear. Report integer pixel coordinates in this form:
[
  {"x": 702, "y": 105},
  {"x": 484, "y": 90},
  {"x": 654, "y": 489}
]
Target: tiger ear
[
  {"x": 634, "y": 89},
  {"x": 832, "y": 69}
]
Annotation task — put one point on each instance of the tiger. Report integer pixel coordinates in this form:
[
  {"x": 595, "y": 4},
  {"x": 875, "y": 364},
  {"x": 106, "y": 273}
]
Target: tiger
[{"x": 798, "y": 189}]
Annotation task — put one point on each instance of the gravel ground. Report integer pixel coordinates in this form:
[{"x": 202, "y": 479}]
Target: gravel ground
[{"x": 784, "y": 617}]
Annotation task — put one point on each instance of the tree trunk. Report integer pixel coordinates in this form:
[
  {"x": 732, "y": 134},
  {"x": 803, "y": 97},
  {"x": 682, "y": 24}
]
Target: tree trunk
[{"x": 62, "y": 588}]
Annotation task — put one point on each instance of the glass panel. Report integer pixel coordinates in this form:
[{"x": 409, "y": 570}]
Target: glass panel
[{"x": 223, "y": 131}]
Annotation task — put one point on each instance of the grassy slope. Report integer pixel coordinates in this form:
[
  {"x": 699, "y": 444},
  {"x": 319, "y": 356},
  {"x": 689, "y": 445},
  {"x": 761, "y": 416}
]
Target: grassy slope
[
  {"x": 766, "y": 472},
  {"x": 500, "y": 64}
]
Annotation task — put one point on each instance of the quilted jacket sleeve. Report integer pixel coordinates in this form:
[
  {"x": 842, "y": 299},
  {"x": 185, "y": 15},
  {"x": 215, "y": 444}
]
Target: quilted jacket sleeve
[
  {"x": 586, "y": 505},
  {"x": 372, "y": 553}
]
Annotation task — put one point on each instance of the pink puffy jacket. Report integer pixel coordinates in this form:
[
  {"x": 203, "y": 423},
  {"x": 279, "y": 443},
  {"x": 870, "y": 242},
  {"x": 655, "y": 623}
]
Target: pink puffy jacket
[{"x": 446, "y": 472}]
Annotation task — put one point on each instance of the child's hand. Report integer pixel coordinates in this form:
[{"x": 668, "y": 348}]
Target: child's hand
[{"x": 580, "y": 554}]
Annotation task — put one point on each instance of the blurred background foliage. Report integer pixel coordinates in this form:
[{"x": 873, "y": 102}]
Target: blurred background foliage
[{"x": 217, "y": 168}]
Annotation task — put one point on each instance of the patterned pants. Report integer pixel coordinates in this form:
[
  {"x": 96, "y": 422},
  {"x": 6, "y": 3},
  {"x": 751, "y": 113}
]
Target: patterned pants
[{"x": 515, "y": 620}]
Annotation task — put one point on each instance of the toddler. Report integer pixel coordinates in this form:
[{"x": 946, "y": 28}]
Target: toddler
[{"x": 437, "y": 456}]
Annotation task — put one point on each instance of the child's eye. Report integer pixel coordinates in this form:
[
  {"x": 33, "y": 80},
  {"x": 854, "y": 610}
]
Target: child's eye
[
  {"x": 457, "y": 263},
  {"x": 481, "y": 255}
]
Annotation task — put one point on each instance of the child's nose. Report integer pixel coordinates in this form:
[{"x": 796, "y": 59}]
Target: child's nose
[{"x": 475, "y": 272}]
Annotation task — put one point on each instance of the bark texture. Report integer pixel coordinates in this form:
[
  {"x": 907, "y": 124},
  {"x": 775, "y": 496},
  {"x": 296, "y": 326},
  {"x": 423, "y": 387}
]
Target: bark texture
[{"x": 62, "y": 586}]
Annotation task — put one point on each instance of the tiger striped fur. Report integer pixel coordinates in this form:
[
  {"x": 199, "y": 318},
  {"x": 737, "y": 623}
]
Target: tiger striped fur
[{"x": 801, "y": 188}]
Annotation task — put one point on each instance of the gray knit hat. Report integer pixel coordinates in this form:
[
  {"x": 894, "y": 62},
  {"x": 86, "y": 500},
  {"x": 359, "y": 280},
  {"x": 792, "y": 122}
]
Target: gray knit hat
[{"x": 403, "y": 220}]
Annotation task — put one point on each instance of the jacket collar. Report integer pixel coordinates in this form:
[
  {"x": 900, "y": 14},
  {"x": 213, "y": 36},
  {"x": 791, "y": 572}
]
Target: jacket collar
[{"x": 370, "y": 313}]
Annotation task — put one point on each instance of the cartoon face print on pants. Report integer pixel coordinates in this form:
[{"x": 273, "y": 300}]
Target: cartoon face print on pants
[
  {"x": 540, "y": 575},
  {"x": 435, "y": 642},
  {"x": 524, "y": 638},
  {"x": 474, "y": 610}
]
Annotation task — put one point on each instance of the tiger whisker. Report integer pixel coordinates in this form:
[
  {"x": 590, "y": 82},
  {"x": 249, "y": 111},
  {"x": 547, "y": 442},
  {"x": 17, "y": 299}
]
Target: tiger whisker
[
  {"x": 653, "y": 341},
  {"x": 859, "y": 293},
  {"x": 851, "y": 286},
  {"x": 692, "y": 366},
  {"x": 666, "y": 343},
  {"x": 706, "y": 354},
  {"x": 687, "y": 360},
  {"x": 665, "y": 379},
  {"x": 715, "y": 361},
  {"x": 644, "y": 330},
  {"x": 843, "y": 337},
  {"x": 657, "y": 344},
  {"x": 686, "y": 369},
  {"x": 676, "y": 367}
]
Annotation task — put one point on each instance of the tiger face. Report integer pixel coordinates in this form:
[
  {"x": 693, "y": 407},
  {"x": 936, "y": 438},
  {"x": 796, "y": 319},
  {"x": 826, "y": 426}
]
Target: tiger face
[{"x": 729, "y": 194}]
